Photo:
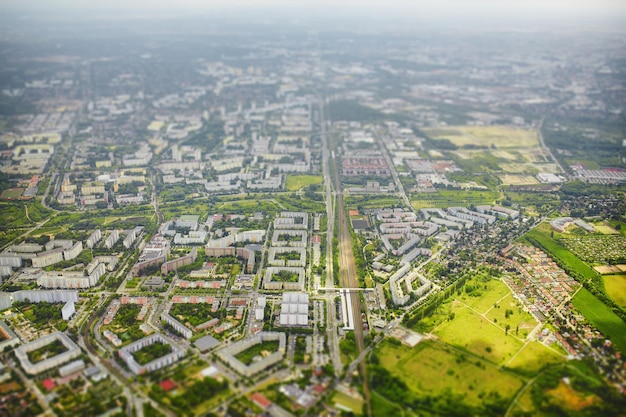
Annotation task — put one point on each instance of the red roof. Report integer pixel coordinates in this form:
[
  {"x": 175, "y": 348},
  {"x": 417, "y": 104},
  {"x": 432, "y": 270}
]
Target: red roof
[
  {"x": 48, "y": 384},
  {"x": 260, "y": 400},
  {"x": 353, "y": 213},
  {"x": 167, "y": 385}
]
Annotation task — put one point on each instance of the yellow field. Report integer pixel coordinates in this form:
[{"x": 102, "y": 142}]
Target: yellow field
[
  {"x": 606, "y": 230},
  {"x": 518, "y": 179},
  {"x": 500, "y": 136},
  {"x": 615, "y": 286}
]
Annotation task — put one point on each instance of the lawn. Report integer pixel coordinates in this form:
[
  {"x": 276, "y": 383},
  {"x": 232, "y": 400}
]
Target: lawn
[
  {"x": 533, "y": 357},
  {"x": 602, "y": 317},
  {"x": 440, "y": 368},
  {"x": 296, "y": 182},
  {"x": 509, "y": 311},
  {"x": 490, "y": 292},
  {"x": 615, "y": 286},
  {"x": 472, "y": 332},
  {"x": 500, "y": 136}
]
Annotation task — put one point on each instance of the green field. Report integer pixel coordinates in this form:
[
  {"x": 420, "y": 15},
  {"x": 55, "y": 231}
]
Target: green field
[
  {"x": 533, "y": 357},
  {"x": 432, "y": 368},
  {"x": 602, "y": 317},
  {"x": 615, "y": 286},
  {"x": 297, "y": 182},
  {"x": 477, "y": 335}
]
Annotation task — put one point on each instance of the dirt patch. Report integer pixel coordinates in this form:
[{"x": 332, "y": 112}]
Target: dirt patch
[{"x": 571, "y": 399}]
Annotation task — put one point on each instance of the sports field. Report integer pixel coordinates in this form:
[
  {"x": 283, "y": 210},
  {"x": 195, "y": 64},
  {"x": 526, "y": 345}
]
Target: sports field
[
  {"x": 602, "y": 317},
  {"x": 297, "y": 182},
  {"x": 499, "y": 136},
  {"x": 11, "y": 194},
  {"x": 615, "y": 286}
]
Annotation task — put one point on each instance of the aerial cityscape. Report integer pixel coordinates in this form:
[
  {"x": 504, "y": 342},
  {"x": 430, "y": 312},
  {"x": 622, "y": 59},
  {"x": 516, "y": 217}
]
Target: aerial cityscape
[{"x": 248, "y": 215}]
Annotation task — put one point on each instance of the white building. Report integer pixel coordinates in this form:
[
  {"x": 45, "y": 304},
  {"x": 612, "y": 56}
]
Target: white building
[{"x": 21, "y": 353}]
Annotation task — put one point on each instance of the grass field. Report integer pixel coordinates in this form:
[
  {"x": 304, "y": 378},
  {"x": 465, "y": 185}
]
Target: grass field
[
  {"x": 602, "y": 317},
  {"x": 615, "y": 286},
  {"x": 476, "y": 334},
  {"x": 491, "y": 291},
  {"x": 533, "y": 357},
  {"x": 440, "y": 367},
  {"x": 500, "y": 136},
  {"x": 296, "y": 182}
]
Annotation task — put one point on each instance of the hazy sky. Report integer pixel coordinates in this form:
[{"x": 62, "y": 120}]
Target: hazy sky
[{"x": 439, "y": 5}]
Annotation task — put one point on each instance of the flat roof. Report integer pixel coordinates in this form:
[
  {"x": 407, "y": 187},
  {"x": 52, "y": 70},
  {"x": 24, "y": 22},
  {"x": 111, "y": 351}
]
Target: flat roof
[{"x": 206, "y": 343}]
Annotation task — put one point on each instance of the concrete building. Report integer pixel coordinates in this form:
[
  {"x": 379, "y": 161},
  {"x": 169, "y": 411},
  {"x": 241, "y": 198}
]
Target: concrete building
[
  {"x": 68, "y": 310},
  {"x": 244, "y": 253},
  {"x": 94, "y": 238},
  {"x": 154, "y": 253},
  {"x": 293, "y": 238},
  {"x": 73, "y": 251},
  {"x": 71, "y": 368},
  {"x": 228, "y": 354},
  {"x": 271, "y": 279},
  {"x": 21, "y": 353},
  {"x": 466, "y": 214},
  {"x": 292, "y": 220},
  {"x": 72, "y": 279},
  {"x": 112, "y": 239},
  {"x": 5, "y": 271},
  {"x": 176, "y": 325},
  {"x": 13, "y": 261},
  {"x": 197, "y": 237},
  {"x": 9, "y": 338},
  {"x": 294, "y": 310},
  {"x": 48, "y": 258},
  {"x": 126, "y": 353},
  {"x": 174, "y": 264},
  {"x": 276, "y": 252},
  {"x": 129, "y": 239},
  {"x": 34, "y": 296}
]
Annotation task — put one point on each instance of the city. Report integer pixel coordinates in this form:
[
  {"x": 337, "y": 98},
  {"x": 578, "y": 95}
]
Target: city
[{"x": 212, "y": 218}]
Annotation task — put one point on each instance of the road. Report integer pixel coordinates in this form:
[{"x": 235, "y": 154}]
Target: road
[{"x": 394, "y": 174}]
